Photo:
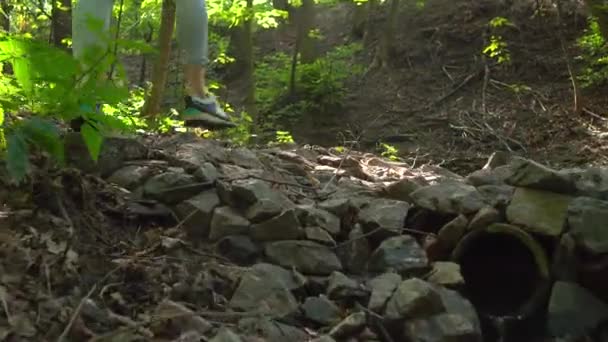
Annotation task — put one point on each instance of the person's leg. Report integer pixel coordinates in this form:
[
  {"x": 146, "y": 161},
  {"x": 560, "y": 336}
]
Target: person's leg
[{"x": 192, "y": 36}]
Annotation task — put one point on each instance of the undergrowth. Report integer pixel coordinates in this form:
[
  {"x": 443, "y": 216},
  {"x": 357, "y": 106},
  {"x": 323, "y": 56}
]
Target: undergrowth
[{"x": 594, "y": 56}]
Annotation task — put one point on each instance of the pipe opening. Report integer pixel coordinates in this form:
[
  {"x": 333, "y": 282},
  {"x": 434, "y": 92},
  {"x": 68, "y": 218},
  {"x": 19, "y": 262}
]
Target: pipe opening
[{"x": 502, "y": 270}]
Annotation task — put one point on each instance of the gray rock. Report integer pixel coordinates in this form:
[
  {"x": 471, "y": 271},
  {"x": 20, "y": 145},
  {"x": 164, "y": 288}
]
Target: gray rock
[
  {"x": 244, "y": 158},
  {"x": 321, "y": 310},
  {"x": 250, "y": 191},
  {"x": 322, "y": 218},
  {"x": 530, "y": 174},
  {"x": 263, "y": 210},
  {"x": 184, "y": 318},
  {"x": 497, "y": 196},
  {"x": 306, "y": 256},
  {"x": 450, "y": 234},
  {"x": 449, "y": 197},
  {"x": 588, "y": 223},
  {"x": 172, "y": 187},
  {"x": 382, "y": 288},
  {"x": 227, "y": 221},
  {"x": 591, "y": 182},
  {"x": 350, "y": 326},
  {"x": 573, "y": 310},
  {"x": 239, "y": 249},
  {"x": 292, "y": 279},
  {"x": 539, "y": 211},
  {"x": 455, "y": 303},
  {"x": 497, "y": 176},
  {"x": 400, "y": 254},
  {"x": 355, "y": 253},
  {"x": 197, "y": 213},
  {"x": 414, "y": 298},
  {"x": 262, "y": 290},
  {"x": 441, "y": 328},
  {"x": 484, "y": 217},
  {"x": 226, "y": 335},
  {"x": 131, "y": 176},
  {"x": 206, "y": 173},
  {"x": 337, "y": 206},
  {"x": 285, "y": 226},
  {"x": 324, "y": 338},
  {"x": 271, "y": 330},
  {"x": 384, "y": 213},
  {"x": 447, "y": 274},
  {"x": 402, "y": 189},
  {"x": 320, "y": 235},
  {"x": 342, "y": 287}
]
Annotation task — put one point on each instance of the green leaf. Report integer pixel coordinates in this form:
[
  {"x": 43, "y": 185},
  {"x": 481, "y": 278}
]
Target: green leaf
[
  {"x": 44, "y": 134},
  {"x": 93, "y": 139},
  {"x": 17, "y": 161}
]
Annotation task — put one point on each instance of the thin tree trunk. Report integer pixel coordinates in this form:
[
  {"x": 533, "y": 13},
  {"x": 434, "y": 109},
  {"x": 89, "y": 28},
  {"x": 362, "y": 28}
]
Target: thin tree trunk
[
  {"x": 308, "y": 45},
  {"x": 144, "y": 58},
  {"x": 159, "y": 77},
  {"x": 61, "y": 22},
  {"x": 249, "y": 65}
]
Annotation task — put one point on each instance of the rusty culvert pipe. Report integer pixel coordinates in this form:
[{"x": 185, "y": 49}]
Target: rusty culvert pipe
[{"x": 506, "y": 272}]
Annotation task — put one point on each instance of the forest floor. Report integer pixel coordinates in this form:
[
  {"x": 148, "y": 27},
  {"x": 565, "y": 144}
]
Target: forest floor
[{"x": 439, "y": 102}]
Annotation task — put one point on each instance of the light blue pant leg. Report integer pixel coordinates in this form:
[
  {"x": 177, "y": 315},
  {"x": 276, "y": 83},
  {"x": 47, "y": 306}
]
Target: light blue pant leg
[
  {"x": 192, "y": 30},
  {"x": 97, "y": 13},
  {"x": 191, "y": 19}
]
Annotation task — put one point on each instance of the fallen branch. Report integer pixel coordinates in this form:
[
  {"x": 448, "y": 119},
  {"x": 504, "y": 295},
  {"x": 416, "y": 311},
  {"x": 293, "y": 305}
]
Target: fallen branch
[
  {"x": 457, "y": 88},
  {"x": 597, "y": 116},
  {"x": 75, "y": 314}
]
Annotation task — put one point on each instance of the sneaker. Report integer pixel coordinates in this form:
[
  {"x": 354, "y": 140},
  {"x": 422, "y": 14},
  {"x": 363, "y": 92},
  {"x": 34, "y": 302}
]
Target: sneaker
[{"x": 205, "y": 112}]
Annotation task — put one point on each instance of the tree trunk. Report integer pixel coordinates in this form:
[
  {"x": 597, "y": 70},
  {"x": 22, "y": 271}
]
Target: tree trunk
[
  {"x": 5, "y": 25},
  {"x": 359, "y": 19},
  {"x": 599, "y": 10},
  {"x": 144, "y": 58},
  {"x": 61, "y": 22},
  {"x": 159, "y": 76},
  {"x": 305, "y": 23},
  {"x": 249, "y": 65},
  {"x": 385, "y": 51}
]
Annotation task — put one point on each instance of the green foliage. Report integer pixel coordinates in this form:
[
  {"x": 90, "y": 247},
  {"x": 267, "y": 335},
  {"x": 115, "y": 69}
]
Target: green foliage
[
  {"x": 284, "y": 137},
  {"x": 320, "y": 86},
  {"x": 497, "y": 47},
  {"x": 594, "y": 56},
  {"x": 389, "y": 151}
]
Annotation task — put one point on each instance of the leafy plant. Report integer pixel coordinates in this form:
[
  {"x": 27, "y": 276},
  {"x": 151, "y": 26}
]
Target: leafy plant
[
  {"x": 497, "y": 47},
  {"x": 389, "y": 151},
  {"x": 594, "y": 56}
]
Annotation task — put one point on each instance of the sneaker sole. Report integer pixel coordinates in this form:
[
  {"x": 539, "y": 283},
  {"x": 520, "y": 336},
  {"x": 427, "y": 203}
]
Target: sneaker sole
[{"x": 208, "y": 121}]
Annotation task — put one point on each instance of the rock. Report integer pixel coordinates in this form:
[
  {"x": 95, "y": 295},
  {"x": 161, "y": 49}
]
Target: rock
[
  {"x": 382, "y": 288},
  {"x": 226, "y": 335},
  {"x": 342, "y": 287},
  {"x": 264, "y": 290},
  {"x": 182, "y": 318},
  {"x": 197, "y": 213},
  {"x": 455, "y": 303},
  {"x": 529, "y": 174},
  {"x": 386, "y": 214},
  {"x": 402, "y": 189},
  {"x": 263, "y": 210},
  {"x": 285, "y": 226},
  {"x": 227, "y": 221},
  {"x": 484, "y": 217},
  {"x": 321, "y": 310},
  {"x": 245, "y": 158},
  {"x": 172, "y": 187},
  {"x": 207, "y": 172},
  {"x": 399, "y": 254},
  {"x": 414, "y": 298},
  {"x": 355, "y": 254},
  {"x": 320, "y": 235},
  {"x": 497, "y": 176},
  {"x": 449, "y": 197},
  {"x": 324, "y": 338},
  {"x": 539, "y": 211},
  {"x": 452, "y": 232},
  {"x": 588, "y": 223},
  {"x": 441, "y": 328},
  {"x": 574, "y": 311},
  {"x": 336, "y": 206},
  {"x": 239, "y": 249},
  {"x": 306, "y": 256},
  {"x": 497, "y": 196},
  {"x": 591, "y": 182},
  {"x": 131, "y": 176},
  {"x": 321, "y": 218},
  {"x": 446, "y": 274},
  {"x": 246, "y": 192},
  {"x": 292, "y": 280},
  {"x": 350, "y": 326},
  {"x": 271, "y": 330}
]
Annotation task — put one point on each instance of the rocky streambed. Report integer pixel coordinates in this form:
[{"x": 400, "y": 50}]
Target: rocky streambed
[{"x": 186, "y": 239}]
